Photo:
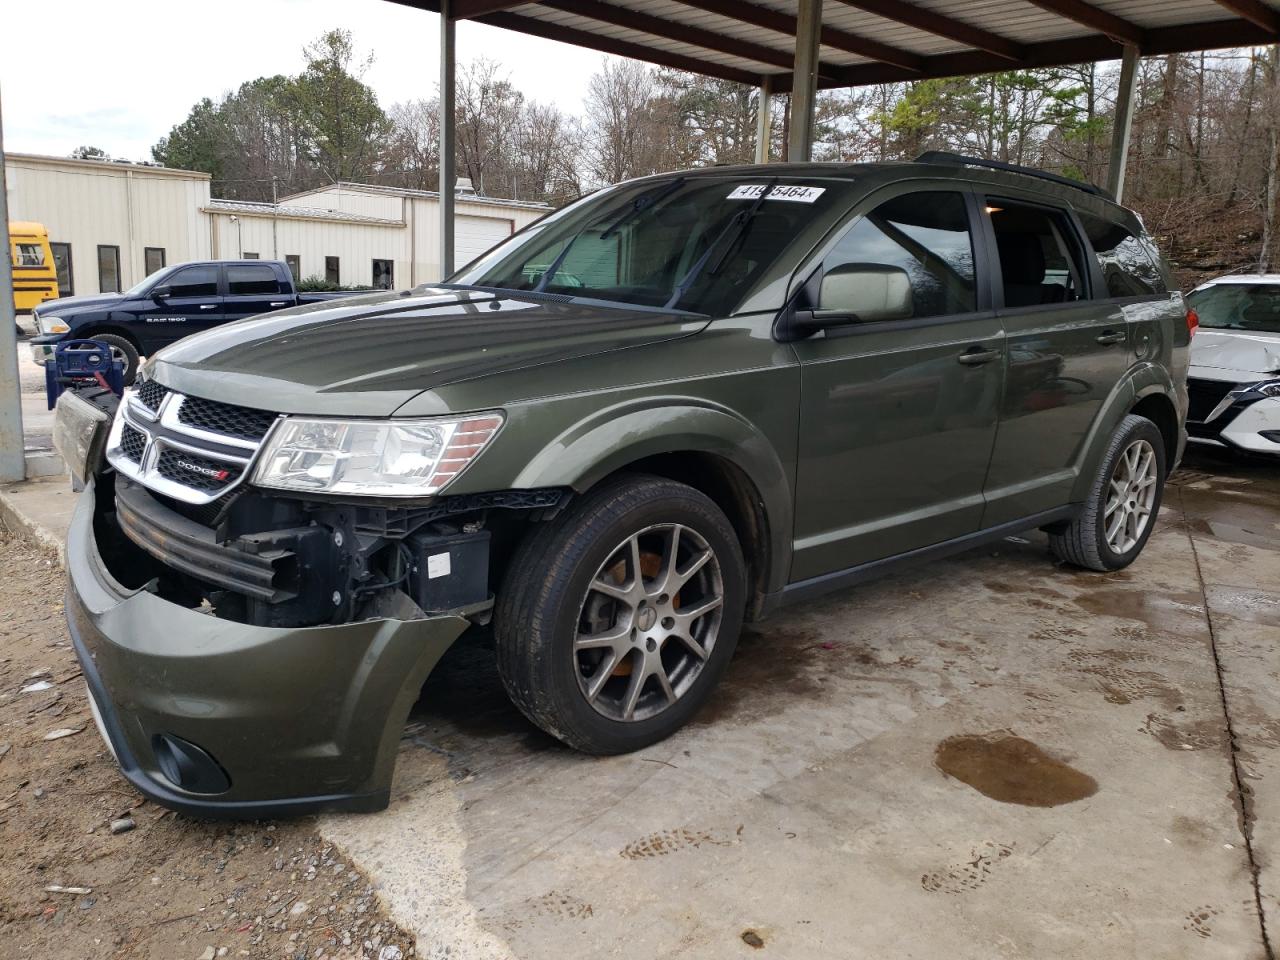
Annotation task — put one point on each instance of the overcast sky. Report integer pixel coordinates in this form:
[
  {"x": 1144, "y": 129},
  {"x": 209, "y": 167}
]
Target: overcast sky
[{"x": 119, "y": 75}]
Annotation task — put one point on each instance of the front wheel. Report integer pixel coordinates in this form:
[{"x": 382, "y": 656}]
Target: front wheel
[
  {"x": 1119, "y": 515},
  {"x": 617, "y": 619}
]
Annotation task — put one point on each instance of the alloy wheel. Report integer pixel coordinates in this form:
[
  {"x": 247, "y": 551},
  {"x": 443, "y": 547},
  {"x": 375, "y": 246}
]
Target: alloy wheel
[
  {"x": 1131, "y": 496},
  {"x": 648, "y": 622}
]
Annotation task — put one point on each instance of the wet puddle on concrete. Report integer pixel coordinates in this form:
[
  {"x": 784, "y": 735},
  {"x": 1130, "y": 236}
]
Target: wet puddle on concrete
[{"x": 1012, "y": 770}]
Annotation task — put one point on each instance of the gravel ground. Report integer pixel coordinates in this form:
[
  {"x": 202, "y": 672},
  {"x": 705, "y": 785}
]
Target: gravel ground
[{"x": 90, "y": 869}]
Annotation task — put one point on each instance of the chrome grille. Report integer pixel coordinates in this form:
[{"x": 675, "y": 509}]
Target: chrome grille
[
  {"x": 194, "y": 456},
  {"x": 151, "y": 394},
  {"x": 133, "y": 443},
  {"x": 242, "y": 422}
]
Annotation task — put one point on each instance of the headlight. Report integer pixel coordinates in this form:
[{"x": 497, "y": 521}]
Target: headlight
[
  {"x": 373, "y": 458},
  {"x": 1268, "y": 388},
  {"x": 51, "y": 324}
]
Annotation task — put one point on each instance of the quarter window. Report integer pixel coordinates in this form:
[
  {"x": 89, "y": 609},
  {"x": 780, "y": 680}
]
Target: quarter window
[
  {"x": 108, "y": 269},
  {"x": 1039, "y": 255},
  {"x": 924, "y": 235},
  {"x": 1130, "y": 264},
  {"x": 198, "y": 281},
  {"x": 244, "y": 280}
]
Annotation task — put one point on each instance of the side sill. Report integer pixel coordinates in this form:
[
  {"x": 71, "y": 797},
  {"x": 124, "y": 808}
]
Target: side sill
[{"x": 840, "y": 579}]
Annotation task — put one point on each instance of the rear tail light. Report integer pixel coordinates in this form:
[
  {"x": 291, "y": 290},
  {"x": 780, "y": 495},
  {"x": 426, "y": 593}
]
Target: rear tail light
[{"x": 1193, "y": 321}]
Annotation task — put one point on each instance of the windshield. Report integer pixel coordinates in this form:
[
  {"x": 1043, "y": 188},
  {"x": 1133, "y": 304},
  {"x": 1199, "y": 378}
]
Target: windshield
[
  {"x": 145, "y": 283},
  {"x": 696, "y": 244},
  {"x": 1239, "y": 306}
]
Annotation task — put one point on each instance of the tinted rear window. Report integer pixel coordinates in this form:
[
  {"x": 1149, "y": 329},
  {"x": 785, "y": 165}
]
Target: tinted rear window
[{"x": 1130, "y": 264}]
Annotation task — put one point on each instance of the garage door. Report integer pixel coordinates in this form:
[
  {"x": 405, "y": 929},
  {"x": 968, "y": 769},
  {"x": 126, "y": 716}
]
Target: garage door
[{"x": 472, "y": 236}]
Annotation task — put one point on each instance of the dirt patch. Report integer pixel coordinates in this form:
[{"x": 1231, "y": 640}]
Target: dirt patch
[
  {"x": 1185, "y": 734},
  {"x": 1174, "y": 613},
  {"x": 968, "y": 874},
  {"x": 1012, "y": 770},
  {"x": 770, "y": 669},
  {"x": 169, "y": 888}
]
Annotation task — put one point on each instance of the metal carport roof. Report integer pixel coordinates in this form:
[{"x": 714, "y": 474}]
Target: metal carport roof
[{"x": 876, "y": 41}]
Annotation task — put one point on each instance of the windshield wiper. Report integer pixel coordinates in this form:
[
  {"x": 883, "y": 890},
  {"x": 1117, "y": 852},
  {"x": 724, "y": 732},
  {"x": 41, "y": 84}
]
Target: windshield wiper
[
  {"x": 732, "y": 232},
  {"x": 639, "y": 205}
]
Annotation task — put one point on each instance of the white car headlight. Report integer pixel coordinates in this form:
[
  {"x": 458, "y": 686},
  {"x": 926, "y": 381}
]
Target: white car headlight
[
  {"x": 51, "y": 324},
  {"x": 372, "y": 458}
]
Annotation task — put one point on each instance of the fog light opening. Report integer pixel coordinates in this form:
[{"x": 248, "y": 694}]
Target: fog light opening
[{"x": 187, "y": 766}]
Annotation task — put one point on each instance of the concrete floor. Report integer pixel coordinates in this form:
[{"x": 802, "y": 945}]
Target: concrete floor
[{"x": 987, "y": 757}]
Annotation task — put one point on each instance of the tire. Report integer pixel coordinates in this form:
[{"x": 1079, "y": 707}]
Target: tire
[
  {"x": 120, "y": 347},
  {"x": 563, "y": 590},
  {"x": 1084, "y": 541}
]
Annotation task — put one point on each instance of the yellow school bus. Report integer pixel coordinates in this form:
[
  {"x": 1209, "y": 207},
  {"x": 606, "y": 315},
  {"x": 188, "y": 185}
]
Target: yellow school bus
[{"x": 35, "y": 277}]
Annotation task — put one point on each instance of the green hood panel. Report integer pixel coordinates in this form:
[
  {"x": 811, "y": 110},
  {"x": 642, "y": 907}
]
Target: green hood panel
[{"x": 371, "y": 355}]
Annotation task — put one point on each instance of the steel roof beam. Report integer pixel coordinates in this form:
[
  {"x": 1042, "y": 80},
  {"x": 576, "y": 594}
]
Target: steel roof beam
[
  {"x": 1096, "y": 18},
  {"x": 941, "y": 26}
]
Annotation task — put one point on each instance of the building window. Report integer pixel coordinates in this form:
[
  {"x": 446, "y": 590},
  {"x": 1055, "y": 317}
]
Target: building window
[
  {"x": 295, "y": 266},
  {"x": 108, "y": 269},
  {"x": 62, "y": 260},
  {"x": 154, "y": 259},
  {"x": 383, "y": 275},
  {"x": 249, "y": 256},
  {"x": 331, "y": 275}
]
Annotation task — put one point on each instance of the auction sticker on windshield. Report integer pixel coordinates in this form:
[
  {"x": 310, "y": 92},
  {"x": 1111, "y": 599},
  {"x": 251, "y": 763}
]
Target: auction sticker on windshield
[{"x": 796, "y": 194}]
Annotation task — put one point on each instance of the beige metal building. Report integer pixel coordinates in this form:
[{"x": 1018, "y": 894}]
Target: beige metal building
[{"x": 111, "y": 224}]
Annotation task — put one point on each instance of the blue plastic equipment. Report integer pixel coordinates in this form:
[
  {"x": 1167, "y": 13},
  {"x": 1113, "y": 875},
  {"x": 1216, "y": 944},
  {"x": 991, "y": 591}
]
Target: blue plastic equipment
[{"x": 80, "y": 363}]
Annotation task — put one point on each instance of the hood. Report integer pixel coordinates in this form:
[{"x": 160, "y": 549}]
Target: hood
[
  {"x": 65, "y": 305},
  {"x": 1234, "y": 355},
  {"x": 369, "y": 356}
]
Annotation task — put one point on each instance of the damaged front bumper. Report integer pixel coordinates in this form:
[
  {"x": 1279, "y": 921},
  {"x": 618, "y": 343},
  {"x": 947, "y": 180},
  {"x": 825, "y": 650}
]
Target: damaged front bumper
[{"x": 217, "y": 718}]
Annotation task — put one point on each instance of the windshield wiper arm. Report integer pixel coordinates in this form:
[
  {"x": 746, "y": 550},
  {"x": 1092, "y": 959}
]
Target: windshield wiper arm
[
  {"x": 639, "y": 205},
  {"x": 732, "y": 231}
]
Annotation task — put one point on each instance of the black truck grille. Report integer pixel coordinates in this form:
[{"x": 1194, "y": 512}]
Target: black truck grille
[
  {"x": 151, "y": 394},
  {"x": 225, "y": 418},
  {"x": 195, "y": 472},
  {"x": 132, "y": 444},
  {"x": 1204, "y": 396}
]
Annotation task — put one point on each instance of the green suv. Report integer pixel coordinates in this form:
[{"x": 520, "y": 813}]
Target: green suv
[{"x": 677, "y": 404}]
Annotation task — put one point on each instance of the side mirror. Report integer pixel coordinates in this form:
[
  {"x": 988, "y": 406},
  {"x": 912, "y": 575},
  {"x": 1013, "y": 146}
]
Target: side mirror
[
  {"x": 161, "y": 293},
  {"x": 865, "y": 293}
]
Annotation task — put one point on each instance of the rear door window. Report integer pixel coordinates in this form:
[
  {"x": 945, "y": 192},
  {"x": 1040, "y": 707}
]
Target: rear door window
[
  {"x": 1041, "y": 262},
  {"x": 1130, "y": 264},
  {"x": 249, "y": 280}
]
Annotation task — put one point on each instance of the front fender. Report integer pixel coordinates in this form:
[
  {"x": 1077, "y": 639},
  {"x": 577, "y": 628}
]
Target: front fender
[{"x": 619, "y": 435}]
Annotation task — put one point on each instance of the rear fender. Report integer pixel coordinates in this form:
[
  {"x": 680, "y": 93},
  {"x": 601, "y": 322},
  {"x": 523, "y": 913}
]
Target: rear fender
[{"x": 617, "y": 436}]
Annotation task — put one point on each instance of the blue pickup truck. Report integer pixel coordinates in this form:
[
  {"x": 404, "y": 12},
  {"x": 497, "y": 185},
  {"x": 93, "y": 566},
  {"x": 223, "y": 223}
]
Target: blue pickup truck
[{"x": 168, "y": 305}]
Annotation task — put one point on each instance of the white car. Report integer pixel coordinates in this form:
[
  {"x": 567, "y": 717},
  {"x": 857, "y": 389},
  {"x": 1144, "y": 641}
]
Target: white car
[{"x": 1234, "y": 380}]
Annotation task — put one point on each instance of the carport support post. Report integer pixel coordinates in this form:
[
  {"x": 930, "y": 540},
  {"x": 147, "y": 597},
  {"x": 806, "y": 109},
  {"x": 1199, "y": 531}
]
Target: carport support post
[
  {"x": 804, "y": 81},
  {"x": 1124, "y": 121},
  {"x": 447, "y": 174},
  {"x": 13, "y": 463},
  {"x": 764, "y": 127}
]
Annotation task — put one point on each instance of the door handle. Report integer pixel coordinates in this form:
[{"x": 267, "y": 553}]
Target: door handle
[
  {"x": 976, "y": 355},
  {"x": 207, "y": 306},
  {"x": 1111, "y": 336},
  {"x": 278, "y": 303}
]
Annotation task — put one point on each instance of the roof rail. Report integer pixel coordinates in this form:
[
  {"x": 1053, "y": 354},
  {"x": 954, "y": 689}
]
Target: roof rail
[{"x": 956, "y": 159}]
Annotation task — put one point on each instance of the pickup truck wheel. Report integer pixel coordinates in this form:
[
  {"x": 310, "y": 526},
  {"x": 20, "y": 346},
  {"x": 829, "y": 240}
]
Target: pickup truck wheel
[
  {"x": 617, "y": 619},
  {"x": 1123, "y": 503},
  {"x": 121, "y": 349}
]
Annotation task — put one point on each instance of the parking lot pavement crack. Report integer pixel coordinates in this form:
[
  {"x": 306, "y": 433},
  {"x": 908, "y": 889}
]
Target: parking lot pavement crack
[{"x": 1240, "y": 792}]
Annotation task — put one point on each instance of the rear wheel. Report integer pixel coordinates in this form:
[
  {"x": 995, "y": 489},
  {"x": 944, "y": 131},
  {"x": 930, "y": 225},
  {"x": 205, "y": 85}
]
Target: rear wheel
[
  {"x": 123, "y": 350},
  {"x": 616, "y": 621},
  {"x": 1119, "y": 515}
]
